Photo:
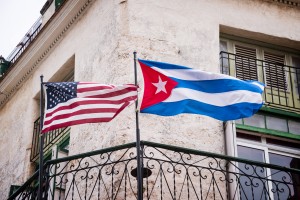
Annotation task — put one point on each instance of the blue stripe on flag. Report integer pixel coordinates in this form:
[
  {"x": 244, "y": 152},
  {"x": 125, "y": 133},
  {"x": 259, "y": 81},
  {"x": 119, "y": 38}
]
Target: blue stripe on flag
[
  {"x": 162, "y": 65},
  {"x": 217, "y": 86},
  {"x": 197, "y": 92},
  {"x": 231, "y": 112}
]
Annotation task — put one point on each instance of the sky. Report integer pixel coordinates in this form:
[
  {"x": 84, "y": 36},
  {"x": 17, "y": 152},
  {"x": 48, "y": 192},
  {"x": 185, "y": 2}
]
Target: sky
[{"x": 16, "y": 18}]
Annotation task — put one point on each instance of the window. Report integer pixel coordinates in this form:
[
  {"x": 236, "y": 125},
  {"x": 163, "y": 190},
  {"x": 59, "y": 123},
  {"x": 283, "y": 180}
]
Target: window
[
  {"x": 65, "y": 74},
  {"x": 60, "y": 150},
  {"x": 270, "y": 123},
  {"x": 273, "y": 151},
  {"x": 278, "y": 70},
  {"x": 273, "y": 134}
]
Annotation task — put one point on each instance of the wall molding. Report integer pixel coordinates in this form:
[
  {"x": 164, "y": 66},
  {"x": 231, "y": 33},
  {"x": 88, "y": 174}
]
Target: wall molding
[{"x": 9, "y": 86}]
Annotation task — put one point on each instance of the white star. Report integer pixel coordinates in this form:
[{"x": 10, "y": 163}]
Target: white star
[{"x": 160, "y": 85}]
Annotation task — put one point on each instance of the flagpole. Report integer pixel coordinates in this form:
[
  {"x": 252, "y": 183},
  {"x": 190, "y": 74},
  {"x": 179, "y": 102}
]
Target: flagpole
[
  {"x": 138, "y": 140},
  {"x": 41, "y": 158}
]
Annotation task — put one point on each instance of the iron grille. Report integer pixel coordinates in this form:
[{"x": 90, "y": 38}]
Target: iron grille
[
  {"x": 24, "y": 43},
  {"x": 50, "y": 139},
  {"x": 176, "y": 173}
]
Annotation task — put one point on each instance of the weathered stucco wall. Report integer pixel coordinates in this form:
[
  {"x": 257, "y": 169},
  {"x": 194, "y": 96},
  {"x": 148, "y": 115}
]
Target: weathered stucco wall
[
  {"x": 15, "y": 139},
  {"x": 101, "y": 44},
  {"x": 84, "y": 39}
]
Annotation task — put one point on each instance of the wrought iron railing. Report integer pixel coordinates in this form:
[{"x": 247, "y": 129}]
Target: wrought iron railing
[
  {"x": 50, "y": 138},
  {"x": 23, "y": 44},
  {"x": 170, "y": 172},
  {"x": 26, "y": 40},
  {"x": 282, "y": 81}
]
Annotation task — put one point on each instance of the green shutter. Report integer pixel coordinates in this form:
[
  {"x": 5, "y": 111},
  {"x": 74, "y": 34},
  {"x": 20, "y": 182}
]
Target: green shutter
[
  {"x": 58, "y": 3},
  {"x": 274, "y": 69},
  {"x": 245, "y": 63}
]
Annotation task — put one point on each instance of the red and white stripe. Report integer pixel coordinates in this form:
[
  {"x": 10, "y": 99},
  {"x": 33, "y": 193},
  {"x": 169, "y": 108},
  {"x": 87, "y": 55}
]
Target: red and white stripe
[{"x": 94, "y": 103}]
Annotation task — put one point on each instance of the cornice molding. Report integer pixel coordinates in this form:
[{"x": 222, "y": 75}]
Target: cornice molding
[
  {"x": 292, "y": 3},
  {"x": 21, "y": 72}
]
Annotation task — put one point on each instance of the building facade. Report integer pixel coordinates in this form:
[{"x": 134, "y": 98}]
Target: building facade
[{"x": 94, "y": 40}]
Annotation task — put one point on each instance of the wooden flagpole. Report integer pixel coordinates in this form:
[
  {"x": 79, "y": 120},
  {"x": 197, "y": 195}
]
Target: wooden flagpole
[
  {"x": 138, "y": 140},
  {"x": 41, "y": 141}
]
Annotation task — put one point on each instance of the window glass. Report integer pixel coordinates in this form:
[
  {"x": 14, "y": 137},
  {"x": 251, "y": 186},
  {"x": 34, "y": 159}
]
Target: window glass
[
  {"x": 251, "y": 153},
  {"x": 223, "y": 46},
  {"x": 64, "y": 146},
  {"x": 264, "y": 121},
  {"x": 251, "y": 184},
  {"x": 294, "y": 127},
  {"x": 282, "y": 143},
  {"x": 248, "y": 137},
  {"x": 224, "y": 58},
  {"x": 285, "y": 161},
  {"x": 283, "y": 189},
  {"x": 67, "y": 147},
  {"x": 282, "y": 184},
  {"x": 239, "y": 121},
  {"x": 275, "y": 123},
  {"x": 255, "y": 120}
]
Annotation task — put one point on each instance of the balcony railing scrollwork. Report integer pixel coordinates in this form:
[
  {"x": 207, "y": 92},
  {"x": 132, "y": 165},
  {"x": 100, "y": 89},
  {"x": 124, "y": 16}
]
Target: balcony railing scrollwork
[{"x": 176, "y": 173}]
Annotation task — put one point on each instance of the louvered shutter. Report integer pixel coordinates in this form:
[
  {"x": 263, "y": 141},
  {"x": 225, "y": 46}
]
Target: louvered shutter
[
  {"x": 245, "y": 63},
  {"x": 274, "y": 69}
]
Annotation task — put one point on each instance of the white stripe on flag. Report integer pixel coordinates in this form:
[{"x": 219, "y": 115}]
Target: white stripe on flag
[
  {"x": 82, "y": 85},
  {"x": 92, "y": 109},
  {"x": 101, "y": 92},
  {"x": 262, "y": 87},
  {"x": 217, "y": 99},
  {"x": 192, "y": 74},
  {"x": 82, "y": 107},
  {"x": 78, "y": 99},
  {"x": 81, "y": 117}
]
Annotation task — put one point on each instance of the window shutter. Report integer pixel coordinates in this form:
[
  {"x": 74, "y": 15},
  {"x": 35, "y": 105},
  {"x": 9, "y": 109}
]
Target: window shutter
[
  {"x": 274, "y": 69},
  {"x": 245, "y": 63}
]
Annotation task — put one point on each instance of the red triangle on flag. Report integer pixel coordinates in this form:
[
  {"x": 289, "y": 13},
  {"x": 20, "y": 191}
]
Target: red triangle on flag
[{"x": 157, "y": 86}]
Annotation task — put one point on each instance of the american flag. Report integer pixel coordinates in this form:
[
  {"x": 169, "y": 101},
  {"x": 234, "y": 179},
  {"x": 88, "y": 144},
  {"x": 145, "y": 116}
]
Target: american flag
[{"x": 71, "y": 103}]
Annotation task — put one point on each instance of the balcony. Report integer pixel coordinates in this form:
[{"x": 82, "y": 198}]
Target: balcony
[
  {"x": 22, "y": 46},
  {"x": 170, "y": 172},
  {"x": 50, "y": 138},
  {"x": 282, "y": 82}
]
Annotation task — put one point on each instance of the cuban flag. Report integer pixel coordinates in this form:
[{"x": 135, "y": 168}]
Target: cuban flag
[{"x": 173, "y": 89}]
